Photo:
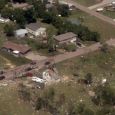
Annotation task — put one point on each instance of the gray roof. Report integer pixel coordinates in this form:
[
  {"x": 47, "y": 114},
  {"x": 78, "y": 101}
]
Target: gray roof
[
  {"x": 49, "y": 6},
  {"x": 21, "y": 31},
  {"x": 65, "y": 36},
  {"x": 34, "y": 26}
]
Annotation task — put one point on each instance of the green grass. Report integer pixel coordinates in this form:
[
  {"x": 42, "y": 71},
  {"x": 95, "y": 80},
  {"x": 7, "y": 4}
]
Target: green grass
[
  {"x": 11, "y": 105},
  {"x": 2, "y": 62},
  {"x": 105, "y": 29},
  {"x": 109, "y": 14},
  {"x": 100, "y": 64},
  {"x": 87, "y": 2},
  {"x": 14, "y": 60}
]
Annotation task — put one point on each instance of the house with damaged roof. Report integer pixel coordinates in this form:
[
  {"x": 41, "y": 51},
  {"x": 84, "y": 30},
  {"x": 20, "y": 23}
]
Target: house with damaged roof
[
  {"x": 15, "y": 49},
  {"x": 36, "y": 29},
  {"x": 66, "y": 38}
]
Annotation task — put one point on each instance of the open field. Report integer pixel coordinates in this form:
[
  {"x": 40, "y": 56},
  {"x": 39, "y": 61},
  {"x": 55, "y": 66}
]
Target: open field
[
  {"x": 105, "y": 29},
  {"x": 87, "y": 2},
  {"x": 100, "y": 65},
  {"x": 17, "y": 61},
  {"x": 109, "y": 14},
  {"x": 11, "y": 105}
]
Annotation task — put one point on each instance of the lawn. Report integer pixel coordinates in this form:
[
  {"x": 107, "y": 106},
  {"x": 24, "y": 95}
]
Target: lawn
[
  {"x": 2, "y": 62},
  {"x": 14, "y": 60},
  {"x": 109, "y": 14},
  {"x": 105, "y": 29},
  {"x": 11, "y": 105},
  {"x": 87, "y": 2},
  {"x": 100, "y": 65}
]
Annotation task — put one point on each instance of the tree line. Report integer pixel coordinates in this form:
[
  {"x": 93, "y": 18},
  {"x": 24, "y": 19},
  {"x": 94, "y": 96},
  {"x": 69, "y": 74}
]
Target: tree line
[{"x": 51, "y": 17}]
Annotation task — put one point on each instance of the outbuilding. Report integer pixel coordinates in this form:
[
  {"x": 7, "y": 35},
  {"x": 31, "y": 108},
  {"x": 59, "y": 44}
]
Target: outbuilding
[
  {"x": 21, "y": 33},
  {"x": 15, "y": 49},
  {"x": 66, "y": 38}
]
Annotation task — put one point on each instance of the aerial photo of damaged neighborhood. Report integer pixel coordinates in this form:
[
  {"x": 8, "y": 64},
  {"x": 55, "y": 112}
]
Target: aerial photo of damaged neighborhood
[{"x": 57, "y": 57}]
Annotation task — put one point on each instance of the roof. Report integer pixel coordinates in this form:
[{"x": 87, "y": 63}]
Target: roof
[
  {"x": 65, "y": 36},
  {"x": 34, "y": 26},
  {"x": 21, "y": 31},
  {"x": 16, "y": 47},
  {"x": 49, "y": 6},
  {"x": 21, "y": 5}
]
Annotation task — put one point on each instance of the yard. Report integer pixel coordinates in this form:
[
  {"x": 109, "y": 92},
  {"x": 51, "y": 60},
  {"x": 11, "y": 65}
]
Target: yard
[
  {"x": 110, "y": 14},
  {"x": 10, "y": 104},
  {"x": 12, "y": 60},
  {"x": 99, "y": 64},
  {"x": 105, "y": 29},
  {"x": 88, "y": 2}
]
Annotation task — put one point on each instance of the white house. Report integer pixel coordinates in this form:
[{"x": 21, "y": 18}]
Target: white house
[
  {"x": 21, "y": 33},
  {"x": 36, "y": 29}
]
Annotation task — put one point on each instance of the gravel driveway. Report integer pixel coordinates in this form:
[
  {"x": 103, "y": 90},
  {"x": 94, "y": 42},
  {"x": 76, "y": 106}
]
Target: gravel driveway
[{"x": 35, "y": 56}]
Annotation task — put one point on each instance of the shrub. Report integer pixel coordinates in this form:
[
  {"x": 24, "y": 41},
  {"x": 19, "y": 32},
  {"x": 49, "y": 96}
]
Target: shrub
[{"x": 70, "y": 47}]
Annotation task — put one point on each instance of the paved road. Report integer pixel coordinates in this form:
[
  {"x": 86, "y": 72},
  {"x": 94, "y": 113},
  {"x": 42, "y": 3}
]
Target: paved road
[
  {"x": 91, "y": 12},
  {"x": 103, "y": 3}
]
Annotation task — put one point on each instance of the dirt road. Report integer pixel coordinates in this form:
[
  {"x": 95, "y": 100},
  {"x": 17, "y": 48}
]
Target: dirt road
[
  {"x": 10, "y": 74},
  {"x": 103, "y": 3},
  {"x": 82, "y": 51},
  {"x": 91, "y": 12}
]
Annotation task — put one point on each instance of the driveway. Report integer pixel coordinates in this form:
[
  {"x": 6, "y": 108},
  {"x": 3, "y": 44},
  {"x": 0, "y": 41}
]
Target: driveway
[
  {"x": 91, "y": 12},
  {"x": 35, "y": 56},
  {"x": 103, "y": 3}
]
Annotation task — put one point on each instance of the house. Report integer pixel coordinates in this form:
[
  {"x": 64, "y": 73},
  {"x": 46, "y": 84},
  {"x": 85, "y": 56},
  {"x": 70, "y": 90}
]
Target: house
[
  {"x": 15, "y": 49},
  {"x": 66, "y": 38},
  {"x": 21, "y": 33},
  {"x": 36, "y": 29}
]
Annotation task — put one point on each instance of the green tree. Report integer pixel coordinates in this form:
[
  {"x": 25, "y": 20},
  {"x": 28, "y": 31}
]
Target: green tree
[
  {"x": 104, "y": 48},
  {"x": 104, "y": 95},
  {"x": 88, "y": 78},
  {"x": 63, "y": 9},
  {"x": 30, "y": 15},
  {"x": 51, "y": 44},
  {"x": 9, "y": 29},
  {"x": 70, "y": 47},
  {"x": 3, "y": 3},
  {"x": 18, "y": 15}
]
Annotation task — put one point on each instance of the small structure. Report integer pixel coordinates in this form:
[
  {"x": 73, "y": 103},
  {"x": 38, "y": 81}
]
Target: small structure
[
  {"x": 48, "y": 6},
  {"x": 100, "y": 9},
  {"x": 36, "y": 29},
  {"x": 15, "y": 49},
  {"x": 51, "y": 1},
  {"x": 66, "y": 38},
  {"x": 23, "y": 6},
  {"x": 21, "y": 33},
  {"x": 3, "y": 20}
]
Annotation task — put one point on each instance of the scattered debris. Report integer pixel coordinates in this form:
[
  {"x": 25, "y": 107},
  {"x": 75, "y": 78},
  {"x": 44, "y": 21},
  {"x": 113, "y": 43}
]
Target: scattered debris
[{"x": 91, "y": 93}]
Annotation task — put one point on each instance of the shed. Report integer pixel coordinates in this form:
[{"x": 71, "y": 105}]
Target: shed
[
  {"x": 65, "y": 38},
  {"x": 21, "y": 33}
]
